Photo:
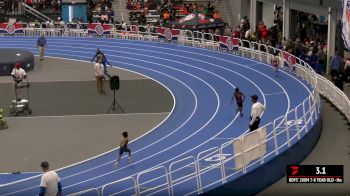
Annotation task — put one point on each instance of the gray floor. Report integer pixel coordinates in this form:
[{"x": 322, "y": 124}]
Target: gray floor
[
  {"x": 69, "y": 122},
  {"x": 333, "y": 148},
  {"x": 81, "y": 98},
  {"x": 66, "y": 140}
]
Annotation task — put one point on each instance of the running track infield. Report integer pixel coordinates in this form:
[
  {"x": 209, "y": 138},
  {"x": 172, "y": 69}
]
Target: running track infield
[{"x": 201, "y": 82}]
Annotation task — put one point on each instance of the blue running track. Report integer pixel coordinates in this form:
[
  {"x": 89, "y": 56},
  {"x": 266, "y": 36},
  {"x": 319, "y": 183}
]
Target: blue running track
[{"x": 202, "y": 83}]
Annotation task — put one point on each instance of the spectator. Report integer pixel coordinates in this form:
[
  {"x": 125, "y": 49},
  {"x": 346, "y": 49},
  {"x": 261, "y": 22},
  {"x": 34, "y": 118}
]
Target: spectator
[
  {"x": 216, "y": 15},
  {"x": 347, "y": 71},
  {"x": 321, "y": 59},
  {"x": 264, "y": 34},
  {"x": 42, "y": 45},
  {"x": 237, "y": 32},
  {"x": 336, "y": 63},
  {"x": 50, "y": 182},
  {"x": 339, "y": 81}
]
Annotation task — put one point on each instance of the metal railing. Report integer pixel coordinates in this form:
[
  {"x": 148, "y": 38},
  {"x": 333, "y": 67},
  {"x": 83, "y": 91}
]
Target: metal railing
[
  {"x": 35, "y": 12},
  {"x": 230, "y": 159}
]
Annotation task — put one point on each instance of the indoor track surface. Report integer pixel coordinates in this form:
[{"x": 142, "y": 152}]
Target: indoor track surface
[{"x": 202, "y": 83}]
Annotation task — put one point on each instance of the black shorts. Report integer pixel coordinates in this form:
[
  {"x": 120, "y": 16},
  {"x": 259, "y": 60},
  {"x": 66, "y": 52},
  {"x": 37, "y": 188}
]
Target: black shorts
[
  {"x": 124, "y": 149},
  {"x": 240, "y": 105}
]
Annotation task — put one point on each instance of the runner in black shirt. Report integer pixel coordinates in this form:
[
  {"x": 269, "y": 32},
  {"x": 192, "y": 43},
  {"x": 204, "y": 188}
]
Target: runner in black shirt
[{"x": 239, "y": 100}]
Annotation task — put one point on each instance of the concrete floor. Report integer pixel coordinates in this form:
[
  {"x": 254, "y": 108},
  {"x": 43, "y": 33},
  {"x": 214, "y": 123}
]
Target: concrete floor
[{"x": 69, "y": 122}]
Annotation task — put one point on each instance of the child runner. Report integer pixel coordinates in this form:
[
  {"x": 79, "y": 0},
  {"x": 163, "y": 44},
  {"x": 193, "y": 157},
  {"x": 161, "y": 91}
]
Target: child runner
[
  {"x": 239, "y": 100},
  {"x": 275, "y": 64},
  {"x": 124, "y": 148}
]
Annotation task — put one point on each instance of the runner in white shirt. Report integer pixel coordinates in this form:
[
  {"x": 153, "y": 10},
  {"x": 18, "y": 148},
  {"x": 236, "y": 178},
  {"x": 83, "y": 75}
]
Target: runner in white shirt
[
  {"x": 50, "y": 184},
  {"x": 257, "y": 110}
]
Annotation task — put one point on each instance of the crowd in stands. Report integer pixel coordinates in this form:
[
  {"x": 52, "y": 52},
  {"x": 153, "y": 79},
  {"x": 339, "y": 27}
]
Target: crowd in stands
[
  {"x": 167, "y": 10},
  {"x": 11, "y": 6},
  {"x": 45, "y": 6},
  {"x": 101, "y": 11}
]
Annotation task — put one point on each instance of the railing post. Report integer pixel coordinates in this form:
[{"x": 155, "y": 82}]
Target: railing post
[
  {"x": 243, "y": 160},
  {"x": 297, "y": 122},
  {"x": 199, "y": 177},
  {"x": 310, "y": 110},
  {"x": 305, "y": 120},
  {"x": 222, "y": 166},
  {"x": 275, "y": 137},
  {"x": 287, "y": 130}
]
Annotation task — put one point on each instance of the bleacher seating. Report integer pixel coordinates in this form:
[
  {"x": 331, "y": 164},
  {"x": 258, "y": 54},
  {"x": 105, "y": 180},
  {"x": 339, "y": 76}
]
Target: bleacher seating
[{"x": 154, "y": 13}]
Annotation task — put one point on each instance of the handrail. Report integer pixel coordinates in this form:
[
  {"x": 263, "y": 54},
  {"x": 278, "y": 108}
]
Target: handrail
[
  {"x": 309, "y": 107},
  {"x": 37, "y": 13},
  {"x": 118, "y": 181},
  {"x": 86, "y": 191},
  {"x": 171, "y": 172},
  {"x": 150, "y": 170}
]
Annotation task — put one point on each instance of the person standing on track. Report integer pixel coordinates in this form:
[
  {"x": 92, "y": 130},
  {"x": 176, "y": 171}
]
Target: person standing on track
[
  {"x": 50, "y": 184},
  {"x": 42, "y": 45},
  {"x": 239, "y": 100},
  {"x": 99, "y": 55},
  {"x": 99, "y": 73},
  {"x": 257, "y": 110},
  {"x": 124, "y": 148}
]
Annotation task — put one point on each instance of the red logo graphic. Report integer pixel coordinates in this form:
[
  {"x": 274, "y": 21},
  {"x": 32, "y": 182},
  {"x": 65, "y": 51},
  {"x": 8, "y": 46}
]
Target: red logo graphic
[
  {"x": 168, "y": 35},
  {"x": 99, "y": 29},
  {"x": 10, "y": 29},
  {"x": 295, "y": 170},
  {"x": 229, "y": 44}
]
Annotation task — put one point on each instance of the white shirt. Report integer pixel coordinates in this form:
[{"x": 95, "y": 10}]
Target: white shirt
[
  {"x": 50, "y": 180},
  {"x": 18, "y": 73},
  {"x": 257, "y": 110},
  {"x": 99, "y": 69}
]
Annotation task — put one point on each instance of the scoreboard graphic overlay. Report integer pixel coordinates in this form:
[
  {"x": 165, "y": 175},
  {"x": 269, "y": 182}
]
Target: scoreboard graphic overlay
[{"x": 315, "y": 174}]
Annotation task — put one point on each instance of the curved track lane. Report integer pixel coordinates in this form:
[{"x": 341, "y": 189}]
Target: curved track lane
[{"x": 202, "y": 82}]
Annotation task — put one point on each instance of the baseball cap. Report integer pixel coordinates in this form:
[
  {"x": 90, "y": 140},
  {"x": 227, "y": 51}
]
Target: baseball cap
[{"x": 18, "y": 65}]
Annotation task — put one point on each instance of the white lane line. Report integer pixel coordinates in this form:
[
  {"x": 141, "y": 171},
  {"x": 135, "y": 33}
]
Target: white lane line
[
  {"x": 193, "y": 112},
  {"x": 220, "y": 138},
  {"x": 171, "y": 112},
  {"x": 293, "y": 77},
  {"x": 269, "y": 94},
  {"x": 86, "y": 115},
  {"x": 68, "y": 55}
]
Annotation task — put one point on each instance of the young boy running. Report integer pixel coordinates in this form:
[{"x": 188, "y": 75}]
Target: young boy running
[
  {"x": 239, "y": 100},
  {"x": 124, "y": 148}
]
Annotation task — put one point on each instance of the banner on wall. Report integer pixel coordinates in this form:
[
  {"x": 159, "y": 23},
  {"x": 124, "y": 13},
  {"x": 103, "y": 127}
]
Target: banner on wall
[
  {"x": 7, "y": 28},
  {"x": 169, "y": 34},
  {"x": 289, "y": 59},
  {"x": 346, "y": 24},
  {"x": 229, "y": 43},
  {"x": 99, "y": 29}
]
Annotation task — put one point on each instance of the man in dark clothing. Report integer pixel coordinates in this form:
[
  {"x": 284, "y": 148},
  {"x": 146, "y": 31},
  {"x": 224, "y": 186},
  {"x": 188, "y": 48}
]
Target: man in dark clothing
[
  {"x": 336, "y": 64},
  {"x": 339, "y": 81},
  {"x": 42, "y": 45}
]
